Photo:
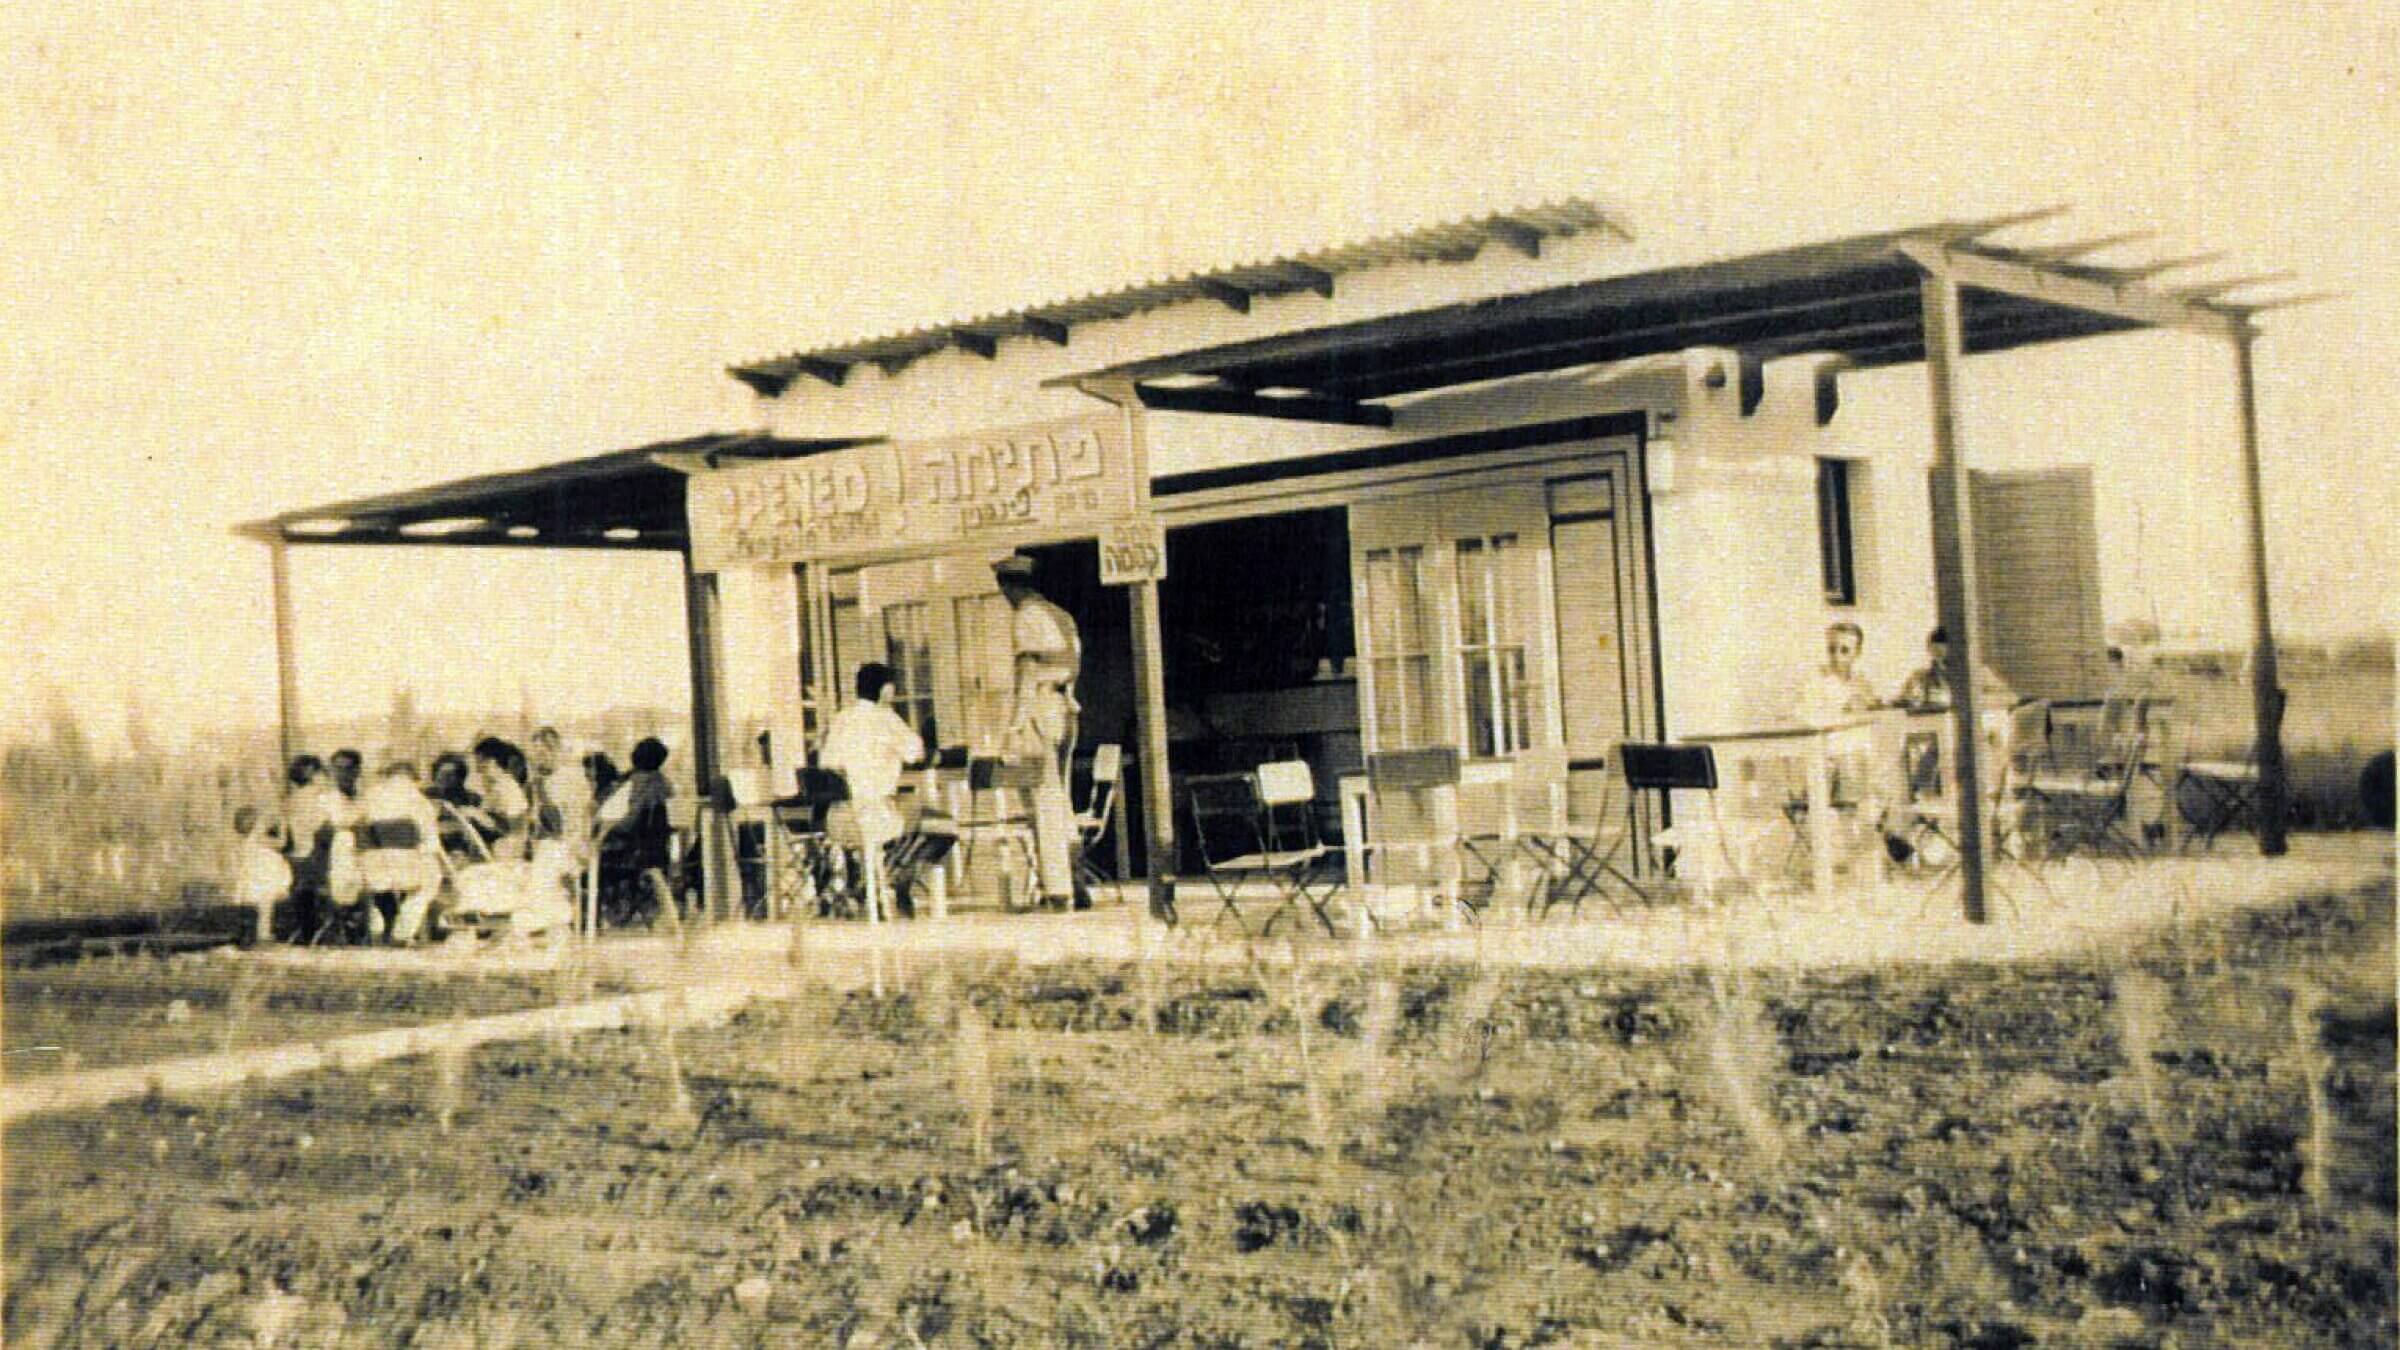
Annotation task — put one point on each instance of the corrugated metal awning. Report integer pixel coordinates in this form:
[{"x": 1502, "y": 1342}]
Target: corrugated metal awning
[
  {"x": 625, "y": 499},
  {"x": 1522, "y": 230},
  {"x": 1857, "y": 299}
]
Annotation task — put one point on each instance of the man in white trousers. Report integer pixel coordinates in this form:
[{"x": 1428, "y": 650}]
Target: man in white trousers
[{"x": 1041, "y": 724}]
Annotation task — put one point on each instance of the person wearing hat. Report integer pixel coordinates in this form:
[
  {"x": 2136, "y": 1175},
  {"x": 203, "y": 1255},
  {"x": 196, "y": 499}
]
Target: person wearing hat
[{"x": 1042, "y": 715}]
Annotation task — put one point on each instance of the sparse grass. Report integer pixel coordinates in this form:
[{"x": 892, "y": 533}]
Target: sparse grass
[
  {"x": 971, "y": 1079},
  {"x": 2139, "y": 1003}
]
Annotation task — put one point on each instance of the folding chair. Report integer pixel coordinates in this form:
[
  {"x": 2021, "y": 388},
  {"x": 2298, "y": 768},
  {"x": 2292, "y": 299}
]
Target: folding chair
[
  {"x": 1262, "y": 826},
  {"x": 2214, "y": 796},
  {"x": 2024, "y": 750},
  {"x": 2086, "y": 811},
  {"x": 1424, "y": 783},
  {"x": 1579, "y": 857},
  {"x": 999, "y": 810},
  {"x": 1092, "y": 823},
  {"x": 1666, "y": 768},
  {"x": 1843, "y": 794}
]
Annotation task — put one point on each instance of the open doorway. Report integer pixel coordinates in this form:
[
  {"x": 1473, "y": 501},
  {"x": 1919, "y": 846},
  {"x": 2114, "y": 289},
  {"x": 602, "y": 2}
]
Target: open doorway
[{"x": 1259, "y": 652}]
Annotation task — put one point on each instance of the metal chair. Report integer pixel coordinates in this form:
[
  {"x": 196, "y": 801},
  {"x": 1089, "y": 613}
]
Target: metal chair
[
  {"x": 2214, "y": 796},
  {"x": 2085, "y": 812},
  {"x": 2024, "y": 750},
  {"x": 1100, "y": 809},
  {"x": 1666, "y": 768},
  {"x": 1580, "y": 856},
  {"x": 1262, "y": 826}
]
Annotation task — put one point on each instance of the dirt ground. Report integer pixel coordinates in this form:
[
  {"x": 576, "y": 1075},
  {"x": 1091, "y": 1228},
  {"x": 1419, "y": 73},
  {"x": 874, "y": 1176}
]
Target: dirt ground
[{"x": 2191, "y": 1144}]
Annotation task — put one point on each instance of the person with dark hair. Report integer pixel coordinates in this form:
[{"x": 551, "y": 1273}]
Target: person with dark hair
[
  {"x": 1928, "y": 690},
  {"x": 446, "y": 785},
  {"x": 347, "y": 767},
  {"x": 643, "y": 793},
  {"x": 633, "y": 829},
  {"x": 500, "y": 777},
  {"x": 869, "y": 745},
  {"x": 602, "y": 774},
  {"x": 315, "y": 814}
]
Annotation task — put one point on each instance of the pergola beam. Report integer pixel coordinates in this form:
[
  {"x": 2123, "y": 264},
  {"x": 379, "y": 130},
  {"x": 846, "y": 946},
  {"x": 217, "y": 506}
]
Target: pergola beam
[{"x": 1984, "y": 271}]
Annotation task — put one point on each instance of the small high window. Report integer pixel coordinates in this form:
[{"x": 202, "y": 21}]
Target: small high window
[{"x": 1836, "y": 538}]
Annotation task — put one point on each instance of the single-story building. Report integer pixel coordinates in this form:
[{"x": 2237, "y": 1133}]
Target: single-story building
[{"x": 1519, "y": 484}]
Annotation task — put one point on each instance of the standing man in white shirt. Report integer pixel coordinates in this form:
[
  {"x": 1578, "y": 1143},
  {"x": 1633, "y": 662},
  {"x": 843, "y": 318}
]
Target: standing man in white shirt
[
  {"x": 1042, "y": 718},
  {"x": 869, "y": 745}
]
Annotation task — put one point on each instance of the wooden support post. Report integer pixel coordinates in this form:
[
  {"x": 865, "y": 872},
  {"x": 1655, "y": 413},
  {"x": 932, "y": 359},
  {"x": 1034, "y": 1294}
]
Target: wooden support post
[
  {"x": 287, "y": 660},
  {"x": 1150, "y": 725},
  {"x": 718, "y": 877},
  {"x": 1954, "y": 571},
  {"x": 2266, "y": 689}
]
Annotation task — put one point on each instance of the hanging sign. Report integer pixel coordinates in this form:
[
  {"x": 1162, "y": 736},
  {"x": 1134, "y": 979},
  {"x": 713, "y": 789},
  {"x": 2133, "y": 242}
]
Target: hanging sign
[
  {"x": 1131, "y": 551},
  {"x": 1026, "y": 484}
]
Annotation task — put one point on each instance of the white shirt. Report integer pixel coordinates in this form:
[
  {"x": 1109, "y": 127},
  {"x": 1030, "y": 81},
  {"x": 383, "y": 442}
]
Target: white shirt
[
  {"x": 868, "y": 745},
  {"x": 1826, "y": 697},
  {"x": 312, "y": 809},
  {"x": 398, "y": 798}
]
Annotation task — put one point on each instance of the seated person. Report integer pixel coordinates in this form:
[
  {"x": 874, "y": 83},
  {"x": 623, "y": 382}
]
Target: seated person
[
  {"x": 463, "y": 834},
  {"x": 631, "y": 819},
  {"x": 869, "y": 745},
  {"x": 262, "y": 876},
  {"x": 1928, "y": 690},
  {"x": 505, "y": 814},
  {"x": 399, "y": 851},
  {"x": 1836, "y": 691}
]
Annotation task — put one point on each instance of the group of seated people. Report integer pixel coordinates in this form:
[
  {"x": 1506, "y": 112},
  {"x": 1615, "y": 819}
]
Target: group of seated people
[
  {"x": 1837, "y": 689},
  {"x": 370, "y": 858}
]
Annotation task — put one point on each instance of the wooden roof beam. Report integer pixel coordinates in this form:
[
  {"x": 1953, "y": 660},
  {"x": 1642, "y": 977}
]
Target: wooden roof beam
[
  {"x": 2136, "y": 304},
  {"x": 1047, "y": 330},
  {"x": 1315, "y": 278},
  {"x": 1224, "y": 293},
  {"x": 2080, "y": 248},
  {"x": 1516, "y": 234},
  {"x": 2211, "y": 290}
]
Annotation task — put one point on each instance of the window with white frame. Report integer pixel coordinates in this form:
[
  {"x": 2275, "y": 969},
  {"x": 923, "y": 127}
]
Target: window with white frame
[
  {"x": 1400, "y": 618},
  {"x": 1492, "y": 601}
]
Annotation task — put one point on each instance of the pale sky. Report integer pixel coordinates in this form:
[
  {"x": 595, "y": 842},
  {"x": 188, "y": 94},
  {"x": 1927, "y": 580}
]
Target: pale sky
[{"x": 256, "y": 263}]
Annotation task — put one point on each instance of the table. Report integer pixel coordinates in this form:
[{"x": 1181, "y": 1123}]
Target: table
[{"x": 1819, "y": 749}]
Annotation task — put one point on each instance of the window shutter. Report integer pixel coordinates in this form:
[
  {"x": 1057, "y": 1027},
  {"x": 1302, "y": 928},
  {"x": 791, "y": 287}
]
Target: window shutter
[{"x": 2037, "y": 565}]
